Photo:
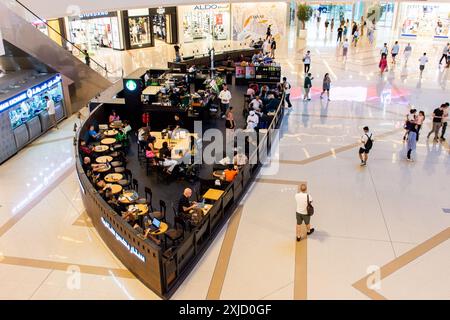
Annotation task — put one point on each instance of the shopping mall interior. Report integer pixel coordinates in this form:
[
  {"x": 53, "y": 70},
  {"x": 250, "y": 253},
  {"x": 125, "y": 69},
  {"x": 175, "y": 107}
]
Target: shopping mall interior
[{"x": 114, "y": 227}]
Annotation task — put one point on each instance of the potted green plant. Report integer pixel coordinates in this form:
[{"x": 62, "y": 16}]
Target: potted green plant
[{"x": 304, "y": 13}]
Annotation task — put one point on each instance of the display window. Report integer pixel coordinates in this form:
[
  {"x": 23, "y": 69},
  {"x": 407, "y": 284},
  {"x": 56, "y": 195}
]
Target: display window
[
  {"x": 209, "y": 21},
  {"x": 159, "y": 27},
  {"x": 251, "y": 20},
  {"x": 425, "y": 20},
  {"x": 34, "y": 103},
  {"x": 139, "y": 28},
  {"x": 93, "y": 31}
]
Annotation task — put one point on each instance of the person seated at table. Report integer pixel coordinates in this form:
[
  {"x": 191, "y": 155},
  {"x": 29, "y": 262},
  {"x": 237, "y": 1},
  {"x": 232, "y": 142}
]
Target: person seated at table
[
  {"x": 148, "y": 234},
  {"x": 250, "y": 91},
  {"x": 228, "y": 174},
  {"x": 150, "y": 152},
  {"x": 85, "y": 150},
  {"x": 256, "y": 104},
  {"x": 93, "y": 135},
  {"x": 175, "y": 97},
  {"x": 185, "y": 205},
  {"x": 143, "y": 134},
  {"x": 114, "y": 117},
  {"x": 131, "y": 218},
  {"x": 239, "y": 159},
  {"x": 264, "y": 92},
  {"x": 257, "y": 57},
  {"x": 259, "y": 44},
  {"x": 252, "y": 120},
  {"x": 178, "y": 122},
  {"x": 126, "y": 127},
  {"x": 272, "y": 104},
  {"x": 254, "y": 86},
  {"x": 86, "y": 164},
  {"x": 165, "y": 153}
]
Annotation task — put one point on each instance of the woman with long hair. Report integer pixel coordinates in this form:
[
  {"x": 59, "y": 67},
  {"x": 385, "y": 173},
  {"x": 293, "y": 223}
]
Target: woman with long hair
[
  {"x": 383, "y": 64},
  {"x": 326, "y": 86}
]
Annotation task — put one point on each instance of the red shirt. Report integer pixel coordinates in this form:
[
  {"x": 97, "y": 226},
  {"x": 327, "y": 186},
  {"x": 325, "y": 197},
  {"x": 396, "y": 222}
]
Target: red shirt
[{"x": 145, "y": 118}]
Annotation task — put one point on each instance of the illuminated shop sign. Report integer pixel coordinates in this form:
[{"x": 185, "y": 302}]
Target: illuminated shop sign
[
  {"x": 94, "y": 15},
  {"x": 30, "y": 93},
  {"x": 210, "y": 7},
  {"x": 131, "y": 85},
  {"x": 119, "y": 238}
]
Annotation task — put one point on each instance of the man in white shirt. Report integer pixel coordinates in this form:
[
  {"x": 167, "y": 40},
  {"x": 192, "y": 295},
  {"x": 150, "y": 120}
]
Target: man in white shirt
[
  {"x": 250, "y": 92},
  {"x": 256, "y": 104},
  {"x": 307, "y": 61},
  {"x": 287, "y": 91},
  {"x": 445, "y": 53},
  {"x": 422, "y": 62},
  {"x": 301, "y": 198},
  {"x": 366, "y": 146},
  {"x": 252, "y": 120},
  {"x": 225, "y": 98},
  {"x": 345, "y": 47},
  {"x": 51, "y": 112}
]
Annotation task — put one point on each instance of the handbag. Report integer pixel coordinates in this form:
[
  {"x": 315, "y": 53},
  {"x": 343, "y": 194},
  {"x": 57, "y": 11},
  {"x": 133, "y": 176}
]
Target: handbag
[{"x": 309, "y": 207}]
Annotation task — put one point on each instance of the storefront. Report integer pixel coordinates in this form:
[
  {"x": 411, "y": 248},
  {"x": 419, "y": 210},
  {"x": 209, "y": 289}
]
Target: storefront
[
  {"x": 337, "y": 11},
  {"x": 427, "y": 20},
  {"x": 54, "y": 31},
  {"x": 142, "y": 27},
  {"x": 204, "y": 21},
  {"x": 96, "y": 30},
  {"x": 251, "y": 20},
  {"x": 23, "y": 109},
  {"x": 137, "y": 28},
  {"x": 165, "y": 24}
]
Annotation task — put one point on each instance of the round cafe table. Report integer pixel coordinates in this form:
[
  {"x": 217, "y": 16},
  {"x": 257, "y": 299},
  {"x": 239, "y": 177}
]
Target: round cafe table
[
  {"x": 115, "y": 188},
  {"x": 128, "y": 197},
  {"x": 104, "y": 159},
  {"x": 113, "y": 177},
  {"x": 110, "y": 133},
  {"x": 102, "y": 167},
  {"x": 162, "y": 229},
  {"x": 108, "y": 141},
  {"x": 116, "y": 125},
  {"x": 141, "y": 209},
  {"x": 101, "y": 149}
]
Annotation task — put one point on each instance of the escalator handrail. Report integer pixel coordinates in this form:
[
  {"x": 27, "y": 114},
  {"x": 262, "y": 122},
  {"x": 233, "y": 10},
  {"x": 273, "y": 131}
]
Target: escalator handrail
[{"x": 54, "y": 30}]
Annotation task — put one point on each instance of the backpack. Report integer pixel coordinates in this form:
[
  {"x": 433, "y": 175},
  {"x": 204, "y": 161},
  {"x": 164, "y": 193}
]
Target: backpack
[
  {"x": 309, "y": 207},
  {"x": 369, "y": 143}
]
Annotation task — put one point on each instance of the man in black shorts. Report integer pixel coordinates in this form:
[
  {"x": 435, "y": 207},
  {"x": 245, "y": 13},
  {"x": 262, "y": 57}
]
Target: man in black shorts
[{"x": 367, "y": 142}]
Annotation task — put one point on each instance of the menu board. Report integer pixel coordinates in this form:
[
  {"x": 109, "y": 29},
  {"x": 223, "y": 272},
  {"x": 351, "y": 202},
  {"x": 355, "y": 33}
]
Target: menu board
[
  {"x": 240, "y": 72},
  {"x": 250, "y": 72}
]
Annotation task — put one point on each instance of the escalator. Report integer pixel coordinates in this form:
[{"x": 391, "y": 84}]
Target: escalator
[{"x": 84, "y": 82}]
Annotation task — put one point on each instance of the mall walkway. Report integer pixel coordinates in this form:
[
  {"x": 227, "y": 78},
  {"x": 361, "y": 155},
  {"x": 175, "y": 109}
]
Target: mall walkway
[{"x": 365, "y": 217}]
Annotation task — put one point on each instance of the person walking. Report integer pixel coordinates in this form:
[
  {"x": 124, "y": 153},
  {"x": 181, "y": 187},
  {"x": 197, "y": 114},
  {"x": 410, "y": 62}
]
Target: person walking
[
  {"x": 307, "y": 61},
  {"x": 51, "y": 112},
  {"x": 307, "y": 86},
  {"x": 445, "y": 53},
  {"x": 340, "y": 30},
  {"x": 269, "y": 31},
  {"x": 419, "y": 121},
  {"x": 287, "y": 91},
  {"x": 345, "y": 49},
  {"x": 444, "y": 121},
  {"x": 332, "y": 25},
  {"x": 327, "y": 23},
  {"x": 273, "y": 47},
  {"x": 225, "y": 98},
  {"x": 230, "y": 126},
  {"x": 384, "y": 50},
  {"x": 437, "y": 122},
  {"x": 410, "y": 122},
  {"x": 87, "y": 58},
  {"x": 370, "y": 34},
  {"x": 422, "y": 62},
  {"x": 394, "y": 51},
  {"x": 355, "y": 37},
  {"x": 345, "y": 31},
  {"x": 326, "y": 86},
  {"x": 303, "y": 201},
  {"x": 177, "y": 53},
  {"x": 412, "y": 142},
  {"x": 407, "y": 52},
  {"x": 383, "y": 64},
  {"x": 367, "y": 144}
]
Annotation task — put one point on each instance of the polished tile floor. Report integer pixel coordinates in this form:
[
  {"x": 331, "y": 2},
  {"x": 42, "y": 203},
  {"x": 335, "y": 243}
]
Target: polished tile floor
[{"x": 387, "y": 216}]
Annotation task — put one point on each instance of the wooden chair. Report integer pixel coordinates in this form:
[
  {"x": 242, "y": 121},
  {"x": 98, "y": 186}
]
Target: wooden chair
[
  {"x": 176, "y": 234},
  {"x": 135, "y": 185}
]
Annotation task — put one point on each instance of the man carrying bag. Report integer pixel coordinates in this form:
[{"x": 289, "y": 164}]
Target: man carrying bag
[{"x": 304, "y": 211}]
